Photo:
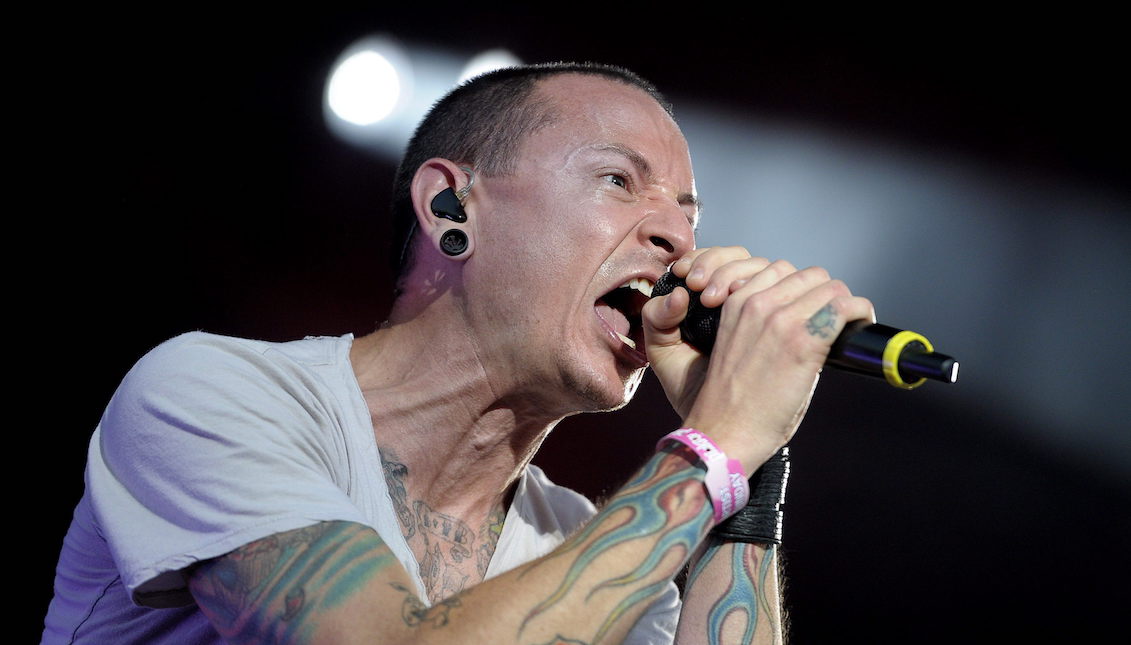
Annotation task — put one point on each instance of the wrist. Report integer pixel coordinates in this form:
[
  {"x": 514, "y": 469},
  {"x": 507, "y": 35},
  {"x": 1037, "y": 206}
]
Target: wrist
[
  {"x": 725, "y": 481},
  {"x": 750, "y": 448}
]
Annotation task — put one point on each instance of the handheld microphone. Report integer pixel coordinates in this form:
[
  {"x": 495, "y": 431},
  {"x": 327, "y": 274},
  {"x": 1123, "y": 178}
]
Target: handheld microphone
[{"x": 905, "y": 359}]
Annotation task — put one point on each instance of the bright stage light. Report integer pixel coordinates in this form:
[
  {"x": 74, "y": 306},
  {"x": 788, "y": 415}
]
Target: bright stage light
[
  {"x": 380, "y": 88},
  {"x": 364, "y": 88},
  {"x": 369, "y": 90},
  {"x": 488, "y": 61}
]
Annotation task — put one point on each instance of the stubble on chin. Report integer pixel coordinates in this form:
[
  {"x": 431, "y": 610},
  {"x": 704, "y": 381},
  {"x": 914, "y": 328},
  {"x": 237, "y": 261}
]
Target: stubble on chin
[{"x": 598, "y": 396}]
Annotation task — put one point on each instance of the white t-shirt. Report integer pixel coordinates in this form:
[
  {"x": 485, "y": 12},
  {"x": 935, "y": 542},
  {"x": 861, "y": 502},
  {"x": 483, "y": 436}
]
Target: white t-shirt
[{"x": 212, "y": 442}]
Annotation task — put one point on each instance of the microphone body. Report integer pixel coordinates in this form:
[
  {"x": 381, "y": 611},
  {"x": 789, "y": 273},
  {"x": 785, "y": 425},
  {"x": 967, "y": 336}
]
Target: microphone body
[{"x": 904, "y": 359}]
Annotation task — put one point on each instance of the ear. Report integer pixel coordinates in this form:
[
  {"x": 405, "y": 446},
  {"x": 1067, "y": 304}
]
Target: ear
[{"x": 440, "y": 216}]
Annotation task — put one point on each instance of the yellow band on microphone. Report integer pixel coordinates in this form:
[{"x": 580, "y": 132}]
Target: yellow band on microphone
[{"x": 891, "y": 358}]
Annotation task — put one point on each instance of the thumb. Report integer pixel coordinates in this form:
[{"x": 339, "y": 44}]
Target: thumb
[{"x": 661, "y": 317}]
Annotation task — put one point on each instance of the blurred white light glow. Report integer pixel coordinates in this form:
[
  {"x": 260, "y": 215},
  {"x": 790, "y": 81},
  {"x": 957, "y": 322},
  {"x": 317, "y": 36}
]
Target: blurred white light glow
[
  {"x": 488, "y": 61},
  {"x": 364, "y": 88},
  {"x": 381, "y": 88}
]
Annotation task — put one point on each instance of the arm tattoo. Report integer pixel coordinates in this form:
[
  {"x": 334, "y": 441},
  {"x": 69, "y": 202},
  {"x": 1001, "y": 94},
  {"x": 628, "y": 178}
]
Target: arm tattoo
[
  {"x": 274, "y": 588},
  {"x": 822, "y": 323},
  {"x": 745, "y": 593},
  {"x": 655, "y": 504}
]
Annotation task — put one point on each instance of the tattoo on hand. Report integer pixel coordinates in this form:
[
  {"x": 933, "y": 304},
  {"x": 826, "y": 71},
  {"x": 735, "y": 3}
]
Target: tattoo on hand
[{"x": 822, "y": 323}]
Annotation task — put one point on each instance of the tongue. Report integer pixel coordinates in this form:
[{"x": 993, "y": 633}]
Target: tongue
[{"x": 612, "y": 318}]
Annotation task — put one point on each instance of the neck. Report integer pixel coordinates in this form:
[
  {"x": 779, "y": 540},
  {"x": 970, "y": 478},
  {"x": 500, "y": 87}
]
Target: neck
[{"x": 461, "y": 436}]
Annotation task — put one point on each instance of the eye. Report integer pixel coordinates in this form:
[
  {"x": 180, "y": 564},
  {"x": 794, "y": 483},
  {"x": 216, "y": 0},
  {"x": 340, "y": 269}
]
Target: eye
[{"x": 619, "y": 180}]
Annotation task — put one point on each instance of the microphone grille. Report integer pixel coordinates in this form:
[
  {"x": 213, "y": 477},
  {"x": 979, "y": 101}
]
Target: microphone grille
[{"x": 701, "y": 323}]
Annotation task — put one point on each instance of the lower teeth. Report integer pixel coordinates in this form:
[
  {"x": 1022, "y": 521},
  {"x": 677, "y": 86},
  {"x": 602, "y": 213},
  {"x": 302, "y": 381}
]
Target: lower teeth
[{"x": 626, "y": 340}]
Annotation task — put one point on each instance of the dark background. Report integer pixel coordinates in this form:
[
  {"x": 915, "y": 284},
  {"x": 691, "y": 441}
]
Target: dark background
[{"x": 181, "y": 177}]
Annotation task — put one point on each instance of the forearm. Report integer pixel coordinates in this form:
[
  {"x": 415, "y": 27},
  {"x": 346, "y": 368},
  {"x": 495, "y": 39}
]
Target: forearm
[
  {"x": 732, "y": 596},
  {"x": 348, "y": 588}
]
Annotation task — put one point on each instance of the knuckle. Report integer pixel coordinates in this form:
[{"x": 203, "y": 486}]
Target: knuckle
[
  {"x": 817, "y": 273},
  {"x": 863, "y": 306},
  {"x": 797, "y": 344},
  {"x": 730, "y": 266},
  {"x": 734, "y": 269},
  {"x": 781, "y": 323},
  {"x": 781, "y": 268},
  {"x": 719, "y": 256},
  {"x": 754, "y": 304},
  {"x": 839, "y": 304},
  {"x": 840, "y": 288}
]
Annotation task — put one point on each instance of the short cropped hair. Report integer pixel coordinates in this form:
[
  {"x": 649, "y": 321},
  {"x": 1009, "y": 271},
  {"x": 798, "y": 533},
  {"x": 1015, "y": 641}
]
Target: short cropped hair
[{"x": 482, "y": 123}]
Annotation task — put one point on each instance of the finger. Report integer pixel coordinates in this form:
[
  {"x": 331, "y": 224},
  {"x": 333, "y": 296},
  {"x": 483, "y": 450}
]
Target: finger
[
  {"x": 827, "y": 309},
  {"x": 830, "y": 319},
  {"x": 772, "y": 288},
  {"x": 734, "y": 275},
  {"x": 682, "y": 266},
  {"x": 704, "y": 263},
  {"x": 661, "y": 317},
  {"x": 824, "y": 326}
]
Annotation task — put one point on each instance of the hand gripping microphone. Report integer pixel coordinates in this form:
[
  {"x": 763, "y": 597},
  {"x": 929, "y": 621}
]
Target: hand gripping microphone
[{"x": 904, "y": 359}]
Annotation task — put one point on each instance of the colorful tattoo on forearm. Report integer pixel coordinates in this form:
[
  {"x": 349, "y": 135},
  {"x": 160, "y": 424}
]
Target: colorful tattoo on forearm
[
  {"x": 765, "y": 568},
  {"x": 664, "y": 502},
  {"x": 745, "y": 593}
]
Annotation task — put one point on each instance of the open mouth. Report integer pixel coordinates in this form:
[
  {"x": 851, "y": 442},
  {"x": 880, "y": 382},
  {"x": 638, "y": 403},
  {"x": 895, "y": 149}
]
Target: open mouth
[{"x": 620, "y": 309}]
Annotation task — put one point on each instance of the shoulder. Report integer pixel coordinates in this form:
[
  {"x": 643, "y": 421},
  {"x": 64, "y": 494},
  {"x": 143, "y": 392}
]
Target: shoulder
[
  {"x": 211, "y": 442},
  {"x": 198, "y": 362},
  {"x": 200, "y": 354},
  {"x": 210, "y": 387}
]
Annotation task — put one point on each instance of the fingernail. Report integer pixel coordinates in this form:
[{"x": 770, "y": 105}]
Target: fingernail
[
  {"x": 710, "y": 291},
  {"x": 697, "y": 274}
]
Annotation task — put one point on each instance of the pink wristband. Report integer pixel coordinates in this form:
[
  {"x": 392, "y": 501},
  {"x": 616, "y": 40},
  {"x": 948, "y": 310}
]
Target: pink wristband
[{"x": 726, "y": 480}]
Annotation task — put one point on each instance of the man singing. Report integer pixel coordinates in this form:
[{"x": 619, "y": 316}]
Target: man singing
[{"x": 379, "y": 489}]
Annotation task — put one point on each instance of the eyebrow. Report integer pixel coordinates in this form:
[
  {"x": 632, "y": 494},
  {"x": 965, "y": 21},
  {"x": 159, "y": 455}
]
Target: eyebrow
[{"x": 645, "y": 169}]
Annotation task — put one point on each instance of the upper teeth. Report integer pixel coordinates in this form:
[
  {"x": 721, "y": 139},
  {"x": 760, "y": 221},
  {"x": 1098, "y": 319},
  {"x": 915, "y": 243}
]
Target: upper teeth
[{"x": 643, "y": 285}]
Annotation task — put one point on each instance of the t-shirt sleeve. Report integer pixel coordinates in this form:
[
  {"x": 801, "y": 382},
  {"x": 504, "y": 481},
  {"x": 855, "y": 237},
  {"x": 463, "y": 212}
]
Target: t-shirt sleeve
[{"x": 208, "y": 444}]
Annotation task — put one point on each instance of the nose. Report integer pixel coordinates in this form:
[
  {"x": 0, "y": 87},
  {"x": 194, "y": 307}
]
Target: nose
[{"x": 668, "y": 230}]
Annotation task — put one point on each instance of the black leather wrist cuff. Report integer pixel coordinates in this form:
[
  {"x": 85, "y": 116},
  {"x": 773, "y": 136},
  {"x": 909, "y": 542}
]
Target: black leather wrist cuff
[{"x": 760, "y": 521}]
